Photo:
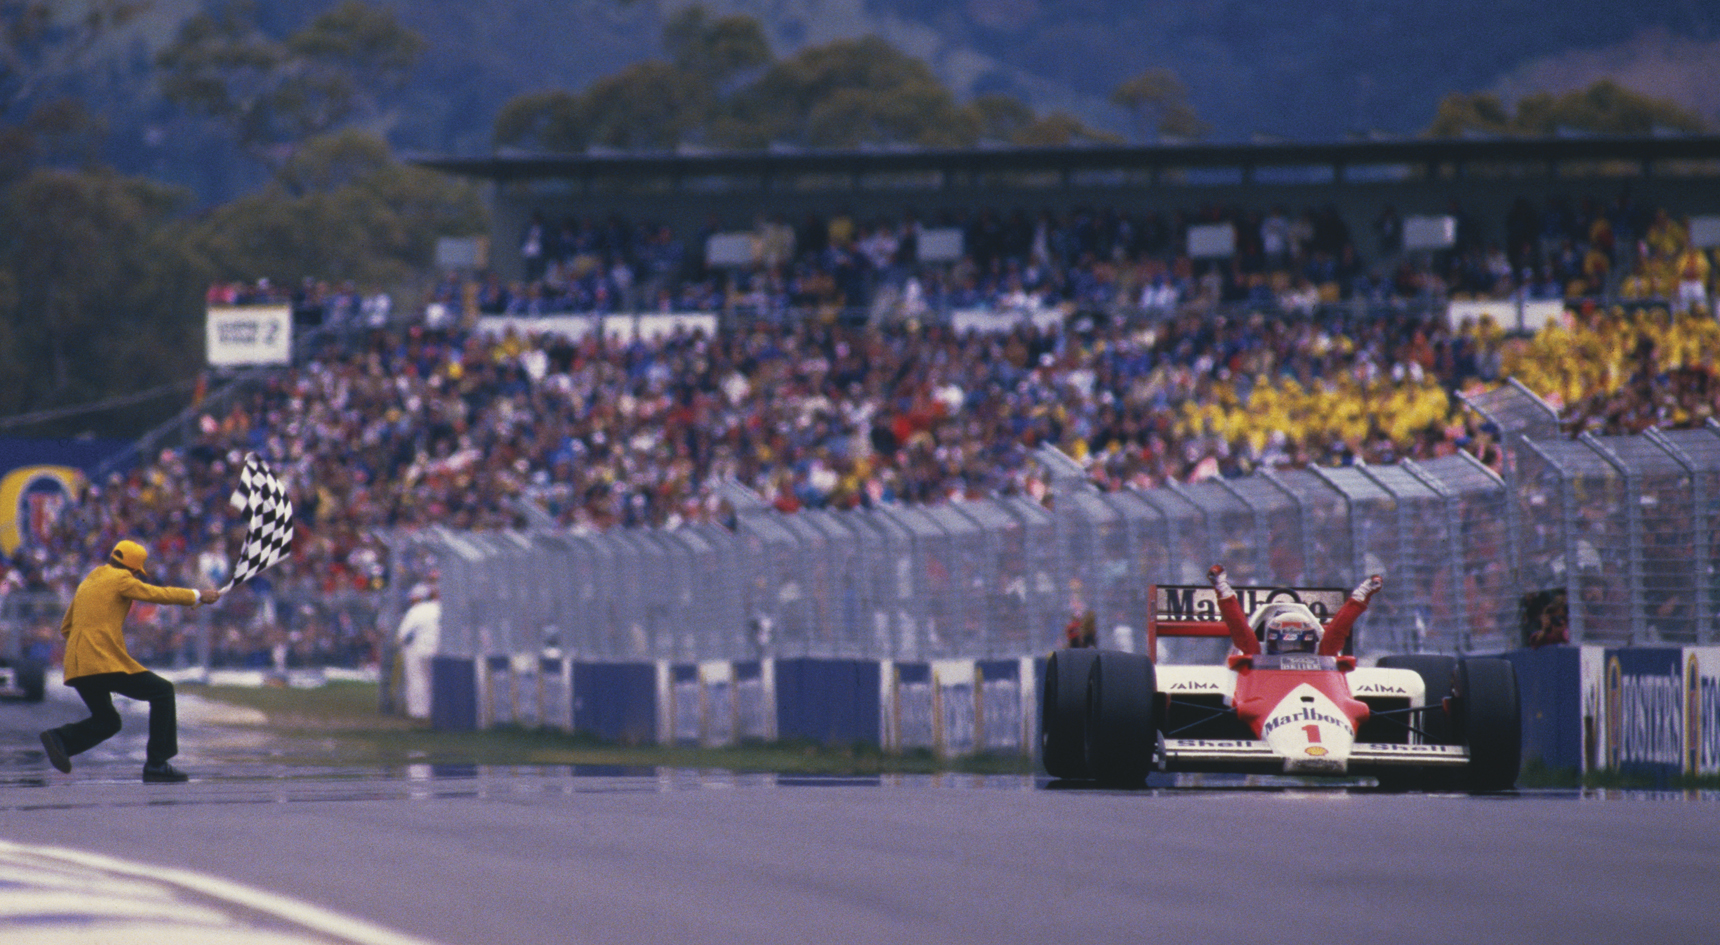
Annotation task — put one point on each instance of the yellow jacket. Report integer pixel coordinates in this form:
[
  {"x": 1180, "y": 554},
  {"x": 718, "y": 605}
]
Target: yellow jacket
[{"x": 94, "y": 624}]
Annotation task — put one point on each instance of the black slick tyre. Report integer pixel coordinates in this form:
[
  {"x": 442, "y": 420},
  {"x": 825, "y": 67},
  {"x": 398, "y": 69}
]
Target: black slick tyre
[
  {"x": 1063, "y": 713},
  {"x": 1122, "y": 695},
  {"x": 1488, "y": 716}
]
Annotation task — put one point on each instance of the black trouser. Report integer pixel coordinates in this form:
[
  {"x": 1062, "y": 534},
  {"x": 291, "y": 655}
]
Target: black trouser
[{"x": 98, "y": 692}]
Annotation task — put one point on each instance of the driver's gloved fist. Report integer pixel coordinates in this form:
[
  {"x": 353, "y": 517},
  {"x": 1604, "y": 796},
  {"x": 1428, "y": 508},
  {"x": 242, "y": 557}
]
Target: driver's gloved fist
[
  {"x": 1215, "y": 574},
  {"x": 1367, "y": 589}
]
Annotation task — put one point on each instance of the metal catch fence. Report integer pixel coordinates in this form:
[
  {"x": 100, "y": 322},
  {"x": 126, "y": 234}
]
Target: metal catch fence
[{"x": 1621, "y": 533}]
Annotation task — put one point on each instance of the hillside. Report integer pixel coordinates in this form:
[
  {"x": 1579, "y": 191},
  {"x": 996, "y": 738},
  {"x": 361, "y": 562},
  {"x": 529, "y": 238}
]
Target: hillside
[{"x": 1296, "y": 69}]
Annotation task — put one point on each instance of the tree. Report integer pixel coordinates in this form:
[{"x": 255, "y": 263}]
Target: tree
[
  {"x": 1603, "y": 108},
  {"x": 1000, "y": 118},
  {"x": 715, "y": 52},
  {"x": 1159, "y": 102},
  {"x": 543, "y": 121},
  {"x": 647, "y": 105},
  {"x": 721, "y": 87},
  {"x": 846, "y": 93},
  {"x": 40, "y": 45},
  {"x": 1059, "y": 130},
  {"x": 341, "y": 208},
  {"x": 81, "y": 250},
  {"x": 275, "y": 93}
]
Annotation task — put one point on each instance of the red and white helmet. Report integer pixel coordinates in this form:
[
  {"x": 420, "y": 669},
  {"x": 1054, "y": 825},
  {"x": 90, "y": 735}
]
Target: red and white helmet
[{"x": 1288, "y": 631}]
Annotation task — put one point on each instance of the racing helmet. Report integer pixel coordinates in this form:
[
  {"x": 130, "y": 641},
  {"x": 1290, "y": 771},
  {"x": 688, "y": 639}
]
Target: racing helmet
[{"x": 1290, "y": 632}]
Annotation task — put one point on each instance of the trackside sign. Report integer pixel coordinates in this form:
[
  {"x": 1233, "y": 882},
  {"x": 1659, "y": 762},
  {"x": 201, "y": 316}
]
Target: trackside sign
[
  {"x": 241, "y": 335},
  {"x": 1663, "y": 710},
  {"x": 1200, "y": 601}
]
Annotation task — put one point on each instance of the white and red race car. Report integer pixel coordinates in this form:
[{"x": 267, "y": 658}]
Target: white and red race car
[{"x": 1410, "y": 721}]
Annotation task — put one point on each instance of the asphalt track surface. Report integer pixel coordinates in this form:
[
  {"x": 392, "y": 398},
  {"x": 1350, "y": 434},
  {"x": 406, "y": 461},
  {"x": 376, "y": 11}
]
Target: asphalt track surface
[{"x": 253, "y": 852}]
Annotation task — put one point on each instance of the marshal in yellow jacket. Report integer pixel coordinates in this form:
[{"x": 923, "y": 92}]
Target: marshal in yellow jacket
[{"x": 94, "y": 624}]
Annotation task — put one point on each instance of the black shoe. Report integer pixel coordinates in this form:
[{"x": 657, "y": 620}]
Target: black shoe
[
  {"x": 56, "y": 749},
  {"x": 163, "y": 773}
]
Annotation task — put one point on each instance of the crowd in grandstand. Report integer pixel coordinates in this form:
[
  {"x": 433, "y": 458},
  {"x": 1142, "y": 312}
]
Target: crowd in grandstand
[
  {"x": 1097, "y": 259},
  {"x": 419, "y": 424}
]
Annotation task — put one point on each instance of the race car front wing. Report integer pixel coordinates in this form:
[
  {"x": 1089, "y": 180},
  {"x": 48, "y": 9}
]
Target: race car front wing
[{"x": 1207, "y": 754}]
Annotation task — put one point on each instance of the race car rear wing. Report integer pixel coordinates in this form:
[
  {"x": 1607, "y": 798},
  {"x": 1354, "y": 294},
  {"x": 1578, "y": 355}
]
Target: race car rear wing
[{"x": 1191, "y": 610}]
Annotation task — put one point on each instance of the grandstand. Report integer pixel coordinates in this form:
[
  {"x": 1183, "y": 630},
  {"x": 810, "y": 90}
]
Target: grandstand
[{"x": 823, "y": 380}]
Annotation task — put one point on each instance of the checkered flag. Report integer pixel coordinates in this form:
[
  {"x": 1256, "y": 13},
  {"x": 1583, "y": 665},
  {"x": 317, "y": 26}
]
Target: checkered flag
[{"x": 269, "y": 529}]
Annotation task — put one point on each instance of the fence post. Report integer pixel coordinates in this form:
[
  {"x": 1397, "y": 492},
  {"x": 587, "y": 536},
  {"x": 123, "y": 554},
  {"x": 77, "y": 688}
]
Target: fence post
[
  {"x": 1262, "y": 537},
  {"x": 1633, "y": 533},
  {"x": 1357, "y": 554},
  {"x": 1454, "y": 548},
  {"x": 1213, "y": 552},
  {"x": 1699, "y": 531},
  {"x": 1576, "y": 613},
  {"x": 1301, "y": 520}
]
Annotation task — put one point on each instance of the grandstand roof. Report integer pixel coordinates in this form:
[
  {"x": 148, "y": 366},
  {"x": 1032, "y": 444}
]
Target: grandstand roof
[{"x": 1549, "y": 152}]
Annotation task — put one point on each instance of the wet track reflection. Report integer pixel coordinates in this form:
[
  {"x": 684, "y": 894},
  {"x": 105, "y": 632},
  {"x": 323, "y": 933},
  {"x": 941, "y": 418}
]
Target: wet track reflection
[
  {"x": 282, "y": 784},
  {"x": 593, "y": 854}
]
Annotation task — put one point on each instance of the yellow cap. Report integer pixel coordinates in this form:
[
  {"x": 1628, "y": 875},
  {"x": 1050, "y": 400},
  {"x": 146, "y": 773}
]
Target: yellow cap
[{"x": 129, "y": 554}]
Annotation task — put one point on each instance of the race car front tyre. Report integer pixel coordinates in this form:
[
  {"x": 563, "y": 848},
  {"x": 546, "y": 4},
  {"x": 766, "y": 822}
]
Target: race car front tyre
[
  {"x": 1488, "y": 716},
  {"x": 1121, "y": 737},
  {"x": 1063, "y": 713}
]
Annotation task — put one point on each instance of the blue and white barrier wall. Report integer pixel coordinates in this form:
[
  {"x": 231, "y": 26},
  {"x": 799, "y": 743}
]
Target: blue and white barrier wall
[
  {"x": 1650, "y": 711},
  {"x": 959, "y": 707}
]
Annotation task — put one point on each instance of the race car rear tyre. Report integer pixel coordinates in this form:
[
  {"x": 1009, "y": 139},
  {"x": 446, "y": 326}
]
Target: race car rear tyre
[
  {"x": 1436, "y": 676},
  {"x": 1063, "y": 714},
  {"x": 1488, "y": 715},
  {"x": 1121, "y": 736}
]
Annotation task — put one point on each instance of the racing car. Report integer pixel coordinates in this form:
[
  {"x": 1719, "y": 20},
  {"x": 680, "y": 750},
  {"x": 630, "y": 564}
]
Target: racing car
[{"x": 1412, "y": 721}]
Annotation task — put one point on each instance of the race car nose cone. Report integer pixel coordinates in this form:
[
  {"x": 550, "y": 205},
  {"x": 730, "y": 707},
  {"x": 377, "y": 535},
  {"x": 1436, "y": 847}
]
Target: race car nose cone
[{"x": 1309, "y": 732}]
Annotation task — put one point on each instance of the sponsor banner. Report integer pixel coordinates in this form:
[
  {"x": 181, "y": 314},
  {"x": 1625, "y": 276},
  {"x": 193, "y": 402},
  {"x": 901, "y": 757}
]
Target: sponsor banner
[
  {"x": 571, "y": 327},
  {"x": 1200, "y": 601},
  {"x": 526, "y": 674},
  {"x": 1003, "y": 704},
  {"x": 495, "y": 702},
  {"x": 31, "y": 500},
  {"x": 1510, "y": 314},
  {"x": 555, "y": 693},
  {"x": 654, "y": 327},
  {"x": 912, "y": 720},
  {"x": 1702, "y": 710},
  {"x": 716, "y": 703},
  {"x": 754, "y": 696},
  {"x": 622, "y": 327},
  {"x": 685, "y": 721},
  {"x": 991, "y": 321},
  {"x": 1645, "y": 705},
  {"x": 959, "y": 707},
  {"x": 249, "y": 334},
  {"x": 702, "y": 704}
]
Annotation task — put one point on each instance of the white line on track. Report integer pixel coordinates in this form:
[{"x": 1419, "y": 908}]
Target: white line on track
[{"x": 52, "y": 895}]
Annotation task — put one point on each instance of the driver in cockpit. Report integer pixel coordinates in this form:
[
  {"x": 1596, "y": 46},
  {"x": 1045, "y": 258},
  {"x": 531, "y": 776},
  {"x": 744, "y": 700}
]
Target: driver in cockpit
[{"x": 1288, "y": 631}]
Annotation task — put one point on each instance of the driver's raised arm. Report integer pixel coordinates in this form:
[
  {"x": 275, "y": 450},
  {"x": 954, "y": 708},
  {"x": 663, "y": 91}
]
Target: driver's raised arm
[
  {"x": 1241, "y": 634},
  {"x": 1338, "y": 628}
]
